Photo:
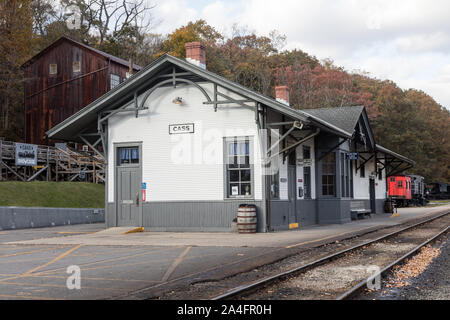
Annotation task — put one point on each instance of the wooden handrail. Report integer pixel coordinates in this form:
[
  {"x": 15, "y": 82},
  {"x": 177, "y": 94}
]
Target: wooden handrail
[{"x": 70, "y": 161}]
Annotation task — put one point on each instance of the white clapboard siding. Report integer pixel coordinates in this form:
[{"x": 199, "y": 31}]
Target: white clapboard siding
[
  {"x": 183, "y": 167},
  {"x": 361, "y": 185}
]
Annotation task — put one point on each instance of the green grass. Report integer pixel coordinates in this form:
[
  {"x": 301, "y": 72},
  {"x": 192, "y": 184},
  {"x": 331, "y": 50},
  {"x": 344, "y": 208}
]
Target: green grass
[
  {"x": 52, "y": 194},
  {"x": 440, "y": 201},
  {"x": 437, "y": 203}
]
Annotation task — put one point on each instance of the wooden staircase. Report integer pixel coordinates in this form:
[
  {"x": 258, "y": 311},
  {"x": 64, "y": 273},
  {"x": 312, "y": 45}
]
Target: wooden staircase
[{"x": 53, "y": 164}]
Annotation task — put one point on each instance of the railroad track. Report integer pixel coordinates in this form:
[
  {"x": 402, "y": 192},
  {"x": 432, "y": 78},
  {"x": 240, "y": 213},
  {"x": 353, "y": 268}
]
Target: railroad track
[{"x": 283, "y": 281}]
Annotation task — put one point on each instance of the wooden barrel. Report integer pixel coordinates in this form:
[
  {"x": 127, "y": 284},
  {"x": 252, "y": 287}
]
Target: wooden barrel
[{"x": 246, "y": 218}]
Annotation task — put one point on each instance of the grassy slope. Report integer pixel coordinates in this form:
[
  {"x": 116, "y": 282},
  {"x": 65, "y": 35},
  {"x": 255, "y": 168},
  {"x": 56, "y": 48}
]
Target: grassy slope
[{"x": 52, "y": 194}]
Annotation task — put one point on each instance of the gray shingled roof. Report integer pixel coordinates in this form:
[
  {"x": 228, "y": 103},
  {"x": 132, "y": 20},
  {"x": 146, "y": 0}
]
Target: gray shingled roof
[
  {"x": 340, "y": 120},
  {"x": 344, "y": 118},
  {"x": 65, "y": 129}
]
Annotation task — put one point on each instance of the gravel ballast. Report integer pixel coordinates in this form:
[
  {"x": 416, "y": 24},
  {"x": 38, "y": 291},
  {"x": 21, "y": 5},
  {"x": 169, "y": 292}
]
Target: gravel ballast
[{"x": 424, "y": 277}]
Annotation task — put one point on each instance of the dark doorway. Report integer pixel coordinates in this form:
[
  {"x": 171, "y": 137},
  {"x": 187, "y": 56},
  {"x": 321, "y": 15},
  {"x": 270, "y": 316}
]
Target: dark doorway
[
  {"x": 372, "y": 195},
  {"x": 292, "y": 188}
]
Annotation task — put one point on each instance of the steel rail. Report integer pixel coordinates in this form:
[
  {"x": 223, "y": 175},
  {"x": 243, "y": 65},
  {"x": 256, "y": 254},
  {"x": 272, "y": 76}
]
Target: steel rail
[
  {"x": 353, "y": 291},
  {"x": 260, "y": 283}
]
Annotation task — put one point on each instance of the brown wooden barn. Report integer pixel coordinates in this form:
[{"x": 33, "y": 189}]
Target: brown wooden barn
[{"x": 62, "y": 79}]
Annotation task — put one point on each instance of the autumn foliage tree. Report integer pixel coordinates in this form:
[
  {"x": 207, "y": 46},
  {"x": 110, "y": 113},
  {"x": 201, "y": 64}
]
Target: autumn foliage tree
[
  {"x": 409, "y": 122},
  {"x": 323, "y": 86},
  {"x": 15, "y": 39}
]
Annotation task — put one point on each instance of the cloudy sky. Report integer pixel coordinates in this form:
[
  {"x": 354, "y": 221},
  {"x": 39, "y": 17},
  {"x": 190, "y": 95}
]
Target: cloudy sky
[{"x": 407, "y": 41}]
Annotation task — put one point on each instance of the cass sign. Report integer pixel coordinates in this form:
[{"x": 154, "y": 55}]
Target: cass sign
[
  {"x": 181, "y": 128},
  {"x": 26, "y": 154}
]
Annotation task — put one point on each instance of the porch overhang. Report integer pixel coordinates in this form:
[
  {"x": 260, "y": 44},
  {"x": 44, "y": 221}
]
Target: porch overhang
[{"x": 394, "y": 163}]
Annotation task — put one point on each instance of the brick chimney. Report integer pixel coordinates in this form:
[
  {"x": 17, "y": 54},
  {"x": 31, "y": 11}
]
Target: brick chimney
[
  {"x": 196, "y": 54},
  {"x": 282, "y": 94}
]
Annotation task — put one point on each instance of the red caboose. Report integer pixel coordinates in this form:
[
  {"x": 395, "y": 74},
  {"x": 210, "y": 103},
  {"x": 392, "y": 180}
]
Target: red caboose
[{"x": 399, "y": 189}]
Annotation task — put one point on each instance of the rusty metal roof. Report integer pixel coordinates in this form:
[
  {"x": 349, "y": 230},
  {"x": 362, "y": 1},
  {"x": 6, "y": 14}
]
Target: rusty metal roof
[{"x": 99, "y": 52}]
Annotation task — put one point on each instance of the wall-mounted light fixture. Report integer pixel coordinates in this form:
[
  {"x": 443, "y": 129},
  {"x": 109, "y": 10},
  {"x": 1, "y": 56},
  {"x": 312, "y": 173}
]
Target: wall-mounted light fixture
[{"x": 177, "y": 100}]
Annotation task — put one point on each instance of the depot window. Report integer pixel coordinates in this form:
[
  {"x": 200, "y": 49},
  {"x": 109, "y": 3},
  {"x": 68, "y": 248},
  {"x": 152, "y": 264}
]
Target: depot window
[
  {"x": 329, "y": 175},
  {"x": 275, "y": 174},
  {"x": 275, "y": 185},
  {"x": 346, "y": 171},
  {"x": 238, "y": 167},
  {"x": 128, "y": 155},
  {"x": 307, "y": 173},
  {"x": 362, "y": 170}
]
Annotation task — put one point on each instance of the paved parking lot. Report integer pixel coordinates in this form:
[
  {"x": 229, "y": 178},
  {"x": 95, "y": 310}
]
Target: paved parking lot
[
  {"x": 34, "y": 262},
  {"x": 29, "y": 271}
]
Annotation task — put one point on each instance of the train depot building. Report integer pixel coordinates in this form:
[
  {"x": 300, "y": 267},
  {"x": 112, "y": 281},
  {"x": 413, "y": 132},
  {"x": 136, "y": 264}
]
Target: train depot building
[{"x": 185, "y": 147}]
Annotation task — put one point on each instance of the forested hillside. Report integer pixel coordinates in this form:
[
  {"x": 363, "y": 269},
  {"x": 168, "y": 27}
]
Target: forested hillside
[{"x": 409, "y": 122}]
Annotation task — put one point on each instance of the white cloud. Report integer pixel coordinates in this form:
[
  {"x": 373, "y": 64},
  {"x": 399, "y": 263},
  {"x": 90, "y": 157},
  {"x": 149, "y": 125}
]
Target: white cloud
[
  {"x": 436, "y": 41},
  {"x": 406, "y": 41},
  {"x": 172, "y": 14}
]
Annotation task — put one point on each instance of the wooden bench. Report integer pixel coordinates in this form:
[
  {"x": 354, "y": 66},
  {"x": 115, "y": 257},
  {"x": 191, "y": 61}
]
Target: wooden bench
[{"x": 358, "y": 214}]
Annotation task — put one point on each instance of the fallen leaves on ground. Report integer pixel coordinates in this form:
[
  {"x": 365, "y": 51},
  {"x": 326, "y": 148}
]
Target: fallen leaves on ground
[{"x": 413, "y": 267}]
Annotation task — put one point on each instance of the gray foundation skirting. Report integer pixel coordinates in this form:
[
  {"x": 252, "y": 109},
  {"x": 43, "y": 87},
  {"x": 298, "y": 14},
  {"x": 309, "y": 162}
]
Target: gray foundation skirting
[
  {"x": 216, "y": 216},
  {"x": 23, "y": 217},
  {"x": 190, "y": 216},
  {"x": 379, "y": 205},
  {"x": 318, "y": 211},
  {"x": 279, "y": 214}
]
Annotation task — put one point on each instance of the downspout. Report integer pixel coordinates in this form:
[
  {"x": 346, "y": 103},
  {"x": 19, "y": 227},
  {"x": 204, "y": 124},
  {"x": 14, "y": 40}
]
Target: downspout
[
  {"x": 267, "y": 179},
  {"x": 260, "y": 120},
  {"x": 262, "y": 125}
]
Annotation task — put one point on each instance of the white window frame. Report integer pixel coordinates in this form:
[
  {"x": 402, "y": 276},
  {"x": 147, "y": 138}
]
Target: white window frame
[
  {"x": 227, "y": 183},
  {"x": 111, "y": 80},
  {"x": 50, "y": 68},
  {"x": 76, "y": 63}
]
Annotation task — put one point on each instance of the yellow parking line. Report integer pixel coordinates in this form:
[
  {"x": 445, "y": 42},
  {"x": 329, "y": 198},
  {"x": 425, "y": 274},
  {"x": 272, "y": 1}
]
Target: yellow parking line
[
  {"x": 27, "y": 297},
  {"x": 75, "y": 232},
  {"x": 26, "y": 252},
  {"x": 111, "y": 266},
  {"x": 6, "y": 261},
  {"x": 175, "y": 264},
  {"x": 96, "y": 279},
  {"x": 29, "y": 272},
  {"x": 51, "y": 285},
  {"x": 109, "y": 260},
  {"x": 53, "y": 261}
]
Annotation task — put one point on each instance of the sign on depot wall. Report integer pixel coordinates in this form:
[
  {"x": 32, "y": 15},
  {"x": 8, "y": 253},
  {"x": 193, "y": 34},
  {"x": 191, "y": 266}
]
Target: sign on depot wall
[{"x": 181, "y": 128}]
